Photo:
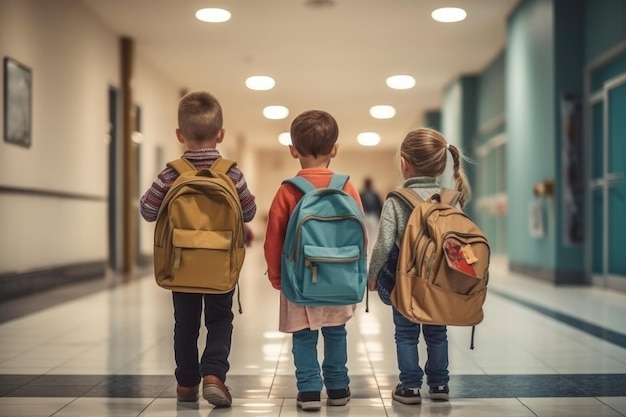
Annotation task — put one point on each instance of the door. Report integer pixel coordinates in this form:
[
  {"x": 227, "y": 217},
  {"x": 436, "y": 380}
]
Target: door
[{"x": 607, "y": 186}]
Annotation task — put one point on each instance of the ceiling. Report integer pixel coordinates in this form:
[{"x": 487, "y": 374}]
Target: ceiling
[{"x": 333, "y": 55}]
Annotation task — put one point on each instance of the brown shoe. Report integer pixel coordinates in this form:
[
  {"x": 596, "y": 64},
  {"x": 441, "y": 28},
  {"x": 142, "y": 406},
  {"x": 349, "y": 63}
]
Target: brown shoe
[
  {"x": 215, "y": 392},
  {"x": 187, "y": 394}
]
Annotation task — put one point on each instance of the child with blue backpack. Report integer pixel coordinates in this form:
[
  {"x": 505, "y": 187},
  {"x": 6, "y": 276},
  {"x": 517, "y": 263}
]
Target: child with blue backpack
[{"x": 314, "y": 136}]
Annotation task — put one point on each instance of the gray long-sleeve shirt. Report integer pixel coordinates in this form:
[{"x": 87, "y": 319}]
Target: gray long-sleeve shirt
[{"x": 393, "y": 219}]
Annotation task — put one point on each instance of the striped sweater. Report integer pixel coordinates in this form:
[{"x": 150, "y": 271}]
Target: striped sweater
[{"x": 151, "y": 201}]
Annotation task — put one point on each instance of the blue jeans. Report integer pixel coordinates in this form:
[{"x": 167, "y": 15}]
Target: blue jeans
[
  {"x": 218, "y": 319},
  {"x": 334, "y": 366},
  {"x": 407, "y": 337}
]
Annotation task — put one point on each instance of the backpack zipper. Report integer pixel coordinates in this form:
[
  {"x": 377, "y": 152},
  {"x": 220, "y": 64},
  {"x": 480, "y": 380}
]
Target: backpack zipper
[
  {"x": 313, "y": 261},
  {"x": 294, "y": 256},
  {"x": 475, "y": 238}
]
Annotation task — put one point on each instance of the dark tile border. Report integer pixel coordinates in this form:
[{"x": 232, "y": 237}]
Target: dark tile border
[{"x": 253, "y": 386}]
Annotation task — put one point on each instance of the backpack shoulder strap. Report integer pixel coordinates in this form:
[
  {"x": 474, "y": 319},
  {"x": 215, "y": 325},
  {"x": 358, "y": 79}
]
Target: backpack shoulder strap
[
  {"x": 222, "y": 165},
  {"x": 406, "y": 195},
  {"x": 450, "y": 197},
  {"x": 181, "y": 165},
  {"x": 301, "y": 183},
  {"x": 338, "y": 181}
]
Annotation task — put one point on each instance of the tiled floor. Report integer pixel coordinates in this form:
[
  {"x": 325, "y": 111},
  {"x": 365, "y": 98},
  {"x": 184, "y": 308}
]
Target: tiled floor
[{"x": 541, "y": 351}]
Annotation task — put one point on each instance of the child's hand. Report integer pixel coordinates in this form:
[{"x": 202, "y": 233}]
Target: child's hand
[{"x": 371, "y": 284}]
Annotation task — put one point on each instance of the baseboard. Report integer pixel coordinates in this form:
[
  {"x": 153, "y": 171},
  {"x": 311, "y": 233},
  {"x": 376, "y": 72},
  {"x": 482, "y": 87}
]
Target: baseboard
[{"x": 13, "y": 285}]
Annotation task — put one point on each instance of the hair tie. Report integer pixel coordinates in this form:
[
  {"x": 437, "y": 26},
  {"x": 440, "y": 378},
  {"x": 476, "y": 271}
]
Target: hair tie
[{"x": 448, "y": 146}]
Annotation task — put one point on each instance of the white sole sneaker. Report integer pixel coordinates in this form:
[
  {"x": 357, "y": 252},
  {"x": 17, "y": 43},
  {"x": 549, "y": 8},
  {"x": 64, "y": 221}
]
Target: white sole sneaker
[{"x": 309, "y": 405}]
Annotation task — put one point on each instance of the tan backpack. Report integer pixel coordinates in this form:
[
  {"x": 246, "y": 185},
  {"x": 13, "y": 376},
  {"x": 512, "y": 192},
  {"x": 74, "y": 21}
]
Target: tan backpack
[
  {"x": 199, "y": 238},
  {"x": 443, "y": 264}
]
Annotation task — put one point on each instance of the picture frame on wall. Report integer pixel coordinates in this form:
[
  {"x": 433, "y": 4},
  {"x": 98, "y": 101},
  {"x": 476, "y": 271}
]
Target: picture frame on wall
[{"x": 18, "y": 99}]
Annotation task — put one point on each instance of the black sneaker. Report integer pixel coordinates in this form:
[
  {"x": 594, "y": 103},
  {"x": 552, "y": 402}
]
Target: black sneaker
[
  {"x": 338, "y": 396},
  {"x": 439, "y": 392},
  {"x": 309, "y": 401},
  {"x": 406, "y": 395}
]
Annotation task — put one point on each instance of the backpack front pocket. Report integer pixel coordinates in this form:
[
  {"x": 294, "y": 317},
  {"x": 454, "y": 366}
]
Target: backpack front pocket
[
  {"x": 331, "y": 273},
  {"x": 197, "y": 255}
]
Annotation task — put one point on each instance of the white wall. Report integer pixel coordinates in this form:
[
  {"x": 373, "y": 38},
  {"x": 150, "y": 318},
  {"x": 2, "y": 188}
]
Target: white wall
[{"x": 74, "y": 60}]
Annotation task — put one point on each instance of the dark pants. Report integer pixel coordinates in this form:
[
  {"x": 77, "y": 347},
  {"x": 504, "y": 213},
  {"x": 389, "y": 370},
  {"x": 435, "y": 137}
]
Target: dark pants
[{"x": 218, "y": 319}]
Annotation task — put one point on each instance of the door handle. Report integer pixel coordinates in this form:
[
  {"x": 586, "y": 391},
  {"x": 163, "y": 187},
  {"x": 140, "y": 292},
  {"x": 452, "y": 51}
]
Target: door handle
[
  {"x": 609, "y": 179},
  {"x": 616, "y": 177}
]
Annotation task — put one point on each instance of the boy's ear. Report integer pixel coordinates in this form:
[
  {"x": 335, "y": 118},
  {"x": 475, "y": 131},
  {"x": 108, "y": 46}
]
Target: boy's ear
[
  {"x": 293, "y": 151},
  {"x": 403, "y": 165},
  {"x": 220, "y": 135},
  {"x": 179, "y": 136},
  {"x": 334, "y": 151}
]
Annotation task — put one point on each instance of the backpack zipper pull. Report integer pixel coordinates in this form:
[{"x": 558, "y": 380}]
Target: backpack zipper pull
[
  {"x": 177, "y": 256},
  {"x": 313, "y": 267}
]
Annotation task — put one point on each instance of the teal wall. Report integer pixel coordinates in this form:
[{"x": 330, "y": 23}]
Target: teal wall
[
  {"x": 491, "y": 103},
  {"x": 549, "y": 44},
  {"x": 530, "y": 127},
  {"x": 544, "y": 63}
]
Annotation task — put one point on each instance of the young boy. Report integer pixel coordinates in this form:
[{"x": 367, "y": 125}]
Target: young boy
[
  {"x": 314, "y": 135},
  {"x": 200, "y": 130}
]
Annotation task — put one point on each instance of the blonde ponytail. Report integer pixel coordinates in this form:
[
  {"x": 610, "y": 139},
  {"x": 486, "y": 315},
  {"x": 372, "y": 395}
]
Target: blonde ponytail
[{"x": 460, "y": 178}]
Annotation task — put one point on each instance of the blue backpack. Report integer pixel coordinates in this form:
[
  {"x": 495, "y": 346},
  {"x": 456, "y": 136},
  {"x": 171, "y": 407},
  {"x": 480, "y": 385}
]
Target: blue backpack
[{"x": 324, "y": 257}]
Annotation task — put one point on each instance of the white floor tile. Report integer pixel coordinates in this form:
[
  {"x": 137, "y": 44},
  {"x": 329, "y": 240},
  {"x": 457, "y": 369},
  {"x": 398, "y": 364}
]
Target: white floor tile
[
  {"x": 105, "y": 407},
  {"x": 31, "y": 407},
  {"x": 616, "y": 403},
  {"x": 568, "y": 407}
]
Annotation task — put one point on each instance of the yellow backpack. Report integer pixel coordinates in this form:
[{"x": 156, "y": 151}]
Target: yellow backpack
[{"x": 199, "y": 238}]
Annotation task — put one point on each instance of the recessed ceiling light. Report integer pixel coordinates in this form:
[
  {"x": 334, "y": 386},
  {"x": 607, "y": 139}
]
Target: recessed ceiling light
[
  {"x": 368, "y": 138},
  {"x": 260, "y": 82},
  {"x": 449, "y": 14},
  {"x": 284, "y": 138},
  {"x": 401, "y": 82},
  {"x": 382, "y": 112},
  {"x": 212, "y": 15},
  {"x": 275, "y": 112}
]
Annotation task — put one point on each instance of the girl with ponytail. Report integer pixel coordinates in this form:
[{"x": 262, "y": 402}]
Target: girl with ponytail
[{"x": 423, "y": 158}]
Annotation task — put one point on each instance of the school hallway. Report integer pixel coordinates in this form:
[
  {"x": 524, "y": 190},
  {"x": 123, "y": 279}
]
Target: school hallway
[{"x": 105, "y": 350}]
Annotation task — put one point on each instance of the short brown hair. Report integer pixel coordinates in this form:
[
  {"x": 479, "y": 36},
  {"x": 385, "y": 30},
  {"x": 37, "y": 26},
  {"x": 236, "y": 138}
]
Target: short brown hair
[
  {"x": 314, "y": 133},
  {"x": 199, "y": 116}
]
